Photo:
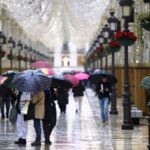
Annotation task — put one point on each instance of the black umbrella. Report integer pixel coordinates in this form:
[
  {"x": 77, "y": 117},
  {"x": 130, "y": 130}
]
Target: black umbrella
[
  {"x": 60, "y": 81},
  {"x": 96, "y": 77}
]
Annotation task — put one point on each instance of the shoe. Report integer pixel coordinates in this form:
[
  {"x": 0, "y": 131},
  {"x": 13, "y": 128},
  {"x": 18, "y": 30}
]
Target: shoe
[
  {"x": 48, "y": 142},
  {"x": 36, "y": 143},
  {"x": 106, "y": 123},
  {"x": 21, "y": 141},
  {"x": 76, "y": 110}
]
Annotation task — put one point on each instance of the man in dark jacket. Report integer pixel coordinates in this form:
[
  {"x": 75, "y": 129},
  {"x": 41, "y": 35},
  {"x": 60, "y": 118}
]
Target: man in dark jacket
[
  {"x": 103, "y": 90},
  {"x": 78, "y": 93}
]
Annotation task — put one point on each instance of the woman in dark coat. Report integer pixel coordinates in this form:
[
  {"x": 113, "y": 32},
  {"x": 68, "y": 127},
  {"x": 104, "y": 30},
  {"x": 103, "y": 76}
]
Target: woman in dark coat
[
  {"x": 62, "y": 98},
  {"x": 78, "y": 93},
  {"x": 49, "y": 120}
]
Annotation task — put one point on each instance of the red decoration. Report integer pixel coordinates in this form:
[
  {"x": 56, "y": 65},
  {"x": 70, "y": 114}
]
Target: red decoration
[
  {"x": 2, "y": 53},
  {"x": 124, "y": 35},
  {"x": 100, "y": 48},
  {"x": 125, "y": 38},
  {"x": 20, "y": 58},
  {"x": 114, "y": 44}
]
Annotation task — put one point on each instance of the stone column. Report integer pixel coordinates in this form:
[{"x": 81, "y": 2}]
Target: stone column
[
  {"x": 73, "y": 55},
  {"x": 57, "y": 57}
]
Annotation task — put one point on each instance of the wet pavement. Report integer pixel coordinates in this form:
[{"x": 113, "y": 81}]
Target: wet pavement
[{"x": 81, "y": 131}]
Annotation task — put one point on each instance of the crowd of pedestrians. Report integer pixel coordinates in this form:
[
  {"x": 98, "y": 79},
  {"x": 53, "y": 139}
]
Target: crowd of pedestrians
[{"x": 44, "y": 102}]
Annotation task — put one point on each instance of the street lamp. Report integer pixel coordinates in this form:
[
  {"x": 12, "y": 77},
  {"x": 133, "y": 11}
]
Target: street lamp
[
  {"x": 20, "y": 47},
  {"x": 126, "y": 6},
  {"x": 2, "y": 41},
  {"x": 11, "y": 45},
  {"x": 31, "y": 52},
  {"x": 106, "y": 33},
  {"x": 26, "y": 49},
  {"x": 127, "y": 122},
  {"x": 113, "y": 21},
  {"x": 101, "y": 41}
]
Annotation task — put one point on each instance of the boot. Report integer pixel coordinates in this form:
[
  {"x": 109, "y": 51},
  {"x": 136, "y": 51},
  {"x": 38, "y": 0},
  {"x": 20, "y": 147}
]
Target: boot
[
  {"x": 48, "y": 142},
  {"x": 36, "y": 142},
  {"x": 21, "y": 141}
]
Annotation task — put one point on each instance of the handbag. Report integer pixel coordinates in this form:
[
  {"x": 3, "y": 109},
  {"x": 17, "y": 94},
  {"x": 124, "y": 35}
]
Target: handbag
[
  {"x": 13, "y": 114},
  {"x": 31, "y": 112},
  {"x": 25, "y": 108}
]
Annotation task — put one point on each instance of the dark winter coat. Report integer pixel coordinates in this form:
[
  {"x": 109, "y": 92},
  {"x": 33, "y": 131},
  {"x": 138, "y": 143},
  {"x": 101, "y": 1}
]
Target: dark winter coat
[
  {"x": 103, "y": 89},
  {"x": 78, "y": 90},
  {"x": 6, "y": 93},
  {"x": 62, "y": 96},
  {"x": 50, "y": 108}
]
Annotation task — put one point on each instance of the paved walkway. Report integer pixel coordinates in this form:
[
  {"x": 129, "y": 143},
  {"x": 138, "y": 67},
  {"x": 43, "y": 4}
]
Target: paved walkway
[{"x": 82, "y": 131}]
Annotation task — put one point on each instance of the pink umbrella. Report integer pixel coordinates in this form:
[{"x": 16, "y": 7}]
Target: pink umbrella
[
  {"x": 41, "y": 64},
  {"x": 72, "y": 79},
  {"x": 3, "y": 79},
  {"x": 81, "y": 76}
]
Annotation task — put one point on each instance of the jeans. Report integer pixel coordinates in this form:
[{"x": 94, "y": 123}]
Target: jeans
[
  {"x": 104, "y": 108},
  {"x": 37, "y": 127}
]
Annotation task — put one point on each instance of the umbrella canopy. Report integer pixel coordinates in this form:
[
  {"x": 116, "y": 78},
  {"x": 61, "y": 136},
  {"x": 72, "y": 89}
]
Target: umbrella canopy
[
  {"x": 72, "y": 79},
  {"x": 82, "y": 76},
  {"x": 31, "y": 81},
  {"x": 145, "y": 83},
  {"x": 96, "y": 77},
  {"x": 46, "y": 71},
  {"x": 10, "y": 75},
  {"x": 3, "y": 79},
  {"x": 60, "y": 81},
  {"x": 41, "y": 64}
]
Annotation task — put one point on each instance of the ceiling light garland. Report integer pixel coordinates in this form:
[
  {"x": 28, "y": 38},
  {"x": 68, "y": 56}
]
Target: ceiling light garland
[{"x": 55, "y": 21}]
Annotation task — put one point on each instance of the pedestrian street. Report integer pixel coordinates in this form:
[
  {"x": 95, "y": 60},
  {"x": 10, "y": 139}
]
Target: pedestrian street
[{"x": 81, "y": 131}]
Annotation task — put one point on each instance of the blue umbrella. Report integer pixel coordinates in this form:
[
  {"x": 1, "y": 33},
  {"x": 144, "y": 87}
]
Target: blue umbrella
[
  {"x": 31, "y": 81},
  {"x": 97, "y": 75}
]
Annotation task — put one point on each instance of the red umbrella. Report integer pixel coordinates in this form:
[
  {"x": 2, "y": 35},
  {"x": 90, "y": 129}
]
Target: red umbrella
[
  {"x": 72, "y": 79},
  {"x": 82, "y": 76},
  {"x": 41, "y": 64}
]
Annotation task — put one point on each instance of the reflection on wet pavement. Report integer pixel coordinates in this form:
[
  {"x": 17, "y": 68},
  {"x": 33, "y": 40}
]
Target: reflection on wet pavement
[{"x": 81, "y": 131}]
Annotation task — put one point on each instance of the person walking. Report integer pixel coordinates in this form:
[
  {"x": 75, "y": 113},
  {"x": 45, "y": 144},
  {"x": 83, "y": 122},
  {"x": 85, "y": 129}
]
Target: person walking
[
  {"x": 49, "y": 120},
  {"x": 103, "y": 90},
  {"x": 22, "y": 125},
  {"x": 78, "y": 93},
  {"x": 38, "y": 100},
  {"x": 62, "y": 97},
  {"x": 5, "y": 99}
]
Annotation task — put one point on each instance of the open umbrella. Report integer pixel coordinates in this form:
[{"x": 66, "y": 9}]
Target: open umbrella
[
  {"x": 72, "y": 79},
  {"x": 96, "y": 77},
  {"x": 10, "y": 75},
  {"x": 145, "y": 83},
  {"x": 31, "y": 81},
  {"x": 82, "y": 76},
  {"x": 60, "y": 81},
  {"x": 41, "y": 64},
  {"x": 46, "y": 71},
  {"x": 3, "y": 79}
]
